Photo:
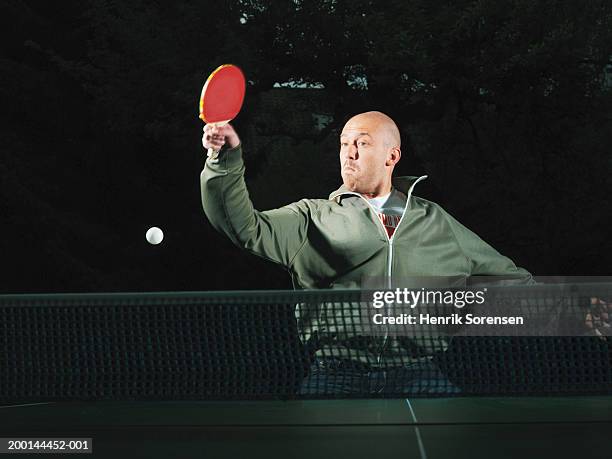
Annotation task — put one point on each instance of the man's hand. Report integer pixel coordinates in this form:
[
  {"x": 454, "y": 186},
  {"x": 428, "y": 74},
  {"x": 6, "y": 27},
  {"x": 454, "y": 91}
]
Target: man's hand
[
  {"x": 598, "y": 318},
  {"x": 216, "y": 137}
]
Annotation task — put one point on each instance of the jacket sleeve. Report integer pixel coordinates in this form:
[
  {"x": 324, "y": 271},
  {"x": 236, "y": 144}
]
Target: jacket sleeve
[
  {"x": 276, "y": 235},
  {"x": 484, "y": 260}
]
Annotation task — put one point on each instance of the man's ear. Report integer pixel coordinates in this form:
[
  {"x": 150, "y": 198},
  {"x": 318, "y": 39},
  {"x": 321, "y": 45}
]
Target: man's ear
[{"x": 393, "y": 156}]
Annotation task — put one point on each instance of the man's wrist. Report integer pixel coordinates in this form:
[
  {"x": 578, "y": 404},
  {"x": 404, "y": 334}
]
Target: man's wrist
[
  {"x": 213, "y": 155},
  {"x": 226, "y": 158},
  {"x": 228, "y": 148}
]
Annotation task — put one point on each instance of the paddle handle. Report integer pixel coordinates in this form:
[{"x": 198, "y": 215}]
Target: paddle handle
[{"x": 213, "y": 154}]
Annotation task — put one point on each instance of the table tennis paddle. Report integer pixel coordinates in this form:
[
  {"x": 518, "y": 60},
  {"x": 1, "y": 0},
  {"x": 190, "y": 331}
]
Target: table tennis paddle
[{"x": 222, "y": 97}]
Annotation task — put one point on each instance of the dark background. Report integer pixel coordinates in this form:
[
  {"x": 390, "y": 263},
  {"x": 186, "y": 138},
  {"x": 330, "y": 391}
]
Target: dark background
[{"x": 507, "y": 106}]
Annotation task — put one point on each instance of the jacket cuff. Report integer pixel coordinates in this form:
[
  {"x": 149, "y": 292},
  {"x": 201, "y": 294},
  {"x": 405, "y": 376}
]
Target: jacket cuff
[{"x": 227, "y": 160}]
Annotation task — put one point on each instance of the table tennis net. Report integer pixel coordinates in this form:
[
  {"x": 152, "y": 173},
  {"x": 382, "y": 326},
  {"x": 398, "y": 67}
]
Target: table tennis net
[{"x": 292, "y": 344}]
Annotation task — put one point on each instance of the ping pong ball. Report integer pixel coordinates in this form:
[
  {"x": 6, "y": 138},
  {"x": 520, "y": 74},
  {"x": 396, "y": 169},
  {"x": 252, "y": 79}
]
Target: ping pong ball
[{"x": 154, "y": 235}]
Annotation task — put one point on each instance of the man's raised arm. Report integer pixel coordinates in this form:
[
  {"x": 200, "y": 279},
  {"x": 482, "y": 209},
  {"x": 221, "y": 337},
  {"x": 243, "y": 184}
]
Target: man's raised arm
[{"x": 277, "y": 234}]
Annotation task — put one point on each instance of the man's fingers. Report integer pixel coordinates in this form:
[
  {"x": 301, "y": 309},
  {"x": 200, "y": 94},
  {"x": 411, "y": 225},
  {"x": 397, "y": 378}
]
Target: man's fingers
[
  {"x": 217, "y": 136},
  {"x": 597, "y": 331},
  {"x": 597, "y": 320},
  {"x": 213, "y": 137},
  {"x": 593, "y": 321},
  {"x": 214, "y": 144},
  {"x": 213, "y": 129},
  {"x": 216, "y": 132}
]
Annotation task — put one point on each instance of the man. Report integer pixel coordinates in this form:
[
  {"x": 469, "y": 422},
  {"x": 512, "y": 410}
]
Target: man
[{"x": 372, "y": 225}]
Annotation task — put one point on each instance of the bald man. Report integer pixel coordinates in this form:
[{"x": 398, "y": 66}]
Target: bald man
[
  {"x": 371, "y": 226},
  {"x": 369, "y": 149}
]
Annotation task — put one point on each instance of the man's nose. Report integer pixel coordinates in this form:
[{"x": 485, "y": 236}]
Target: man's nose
[{"x": 352, "y": 152}]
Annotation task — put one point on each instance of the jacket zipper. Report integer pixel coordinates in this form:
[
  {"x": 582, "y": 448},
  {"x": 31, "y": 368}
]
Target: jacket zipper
[{"x": 390, "y": 249}]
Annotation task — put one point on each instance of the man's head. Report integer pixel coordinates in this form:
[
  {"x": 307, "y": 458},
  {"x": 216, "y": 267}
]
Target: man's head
[{"x": 369, "y": 149}]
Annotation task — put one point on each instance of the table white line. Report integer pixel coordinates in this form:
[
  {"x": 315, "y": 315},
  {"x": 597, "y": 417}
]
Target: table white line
[
  {"x": 417, "y": 431},
  {"x": 25, "y": 404}
]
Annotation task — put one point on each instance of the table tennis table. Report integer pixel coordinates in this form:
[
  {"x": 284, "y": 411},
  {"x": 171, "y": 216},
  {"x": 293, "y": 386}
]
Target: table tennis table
[{"x": 474, "y": 427}]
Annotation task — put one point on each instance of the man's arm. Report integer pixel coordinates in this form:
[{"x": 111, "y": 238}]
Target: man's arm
[
  {"x": 276, "y": 235},
  {"x": 485, "y": 260}
]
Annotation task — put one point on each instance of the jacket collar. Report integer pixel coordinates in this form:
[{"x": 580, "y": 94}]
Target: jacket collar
[{"x": 403, "y": 184}]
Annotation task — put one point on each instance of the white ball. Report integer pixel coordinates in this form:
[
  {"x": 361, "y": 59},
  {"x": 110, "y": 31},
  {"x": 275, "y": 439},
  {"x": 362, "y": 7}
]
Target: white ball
[{"x": 155, "y": 235}]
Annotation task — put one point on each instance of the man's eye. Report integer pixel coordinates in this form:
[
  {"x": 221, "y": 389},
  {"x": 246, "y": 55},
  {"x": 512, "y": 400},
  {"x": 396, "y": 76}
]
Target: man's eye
[
  {"x": 361, "y": 144},
  {"x": 343, "y": 144}
]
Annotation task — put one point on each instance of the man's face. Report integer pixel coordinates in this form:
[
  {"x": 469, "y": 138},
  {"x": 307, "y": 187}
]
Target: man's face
[{"x": 364, "y": 152}]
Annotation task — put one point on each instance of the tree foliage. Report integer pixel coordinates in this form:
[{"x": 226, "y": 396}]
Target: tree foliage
[{"x": 503, "y": 104}]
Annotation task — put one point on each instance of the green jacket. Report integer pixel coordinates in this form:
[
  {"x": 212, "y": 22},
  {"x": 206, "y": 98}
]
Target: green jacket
[{"x": 337, "y": 242}]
